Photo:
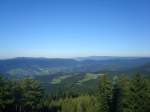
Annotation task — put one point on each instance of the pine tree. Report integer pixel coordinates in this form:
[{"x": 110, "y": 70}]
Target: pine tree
[
  {"x": 32, "y": 94},
  {"x": 139, "y": 95},
  {"x": 17, "y": 94},
  {"x": 6, "y": 99},
  {"x": 124, "y": 96},
  {"x": 2, "y": 85},
  {"x": 115, "y": 94},
  {"x": 104, "y": 95}
]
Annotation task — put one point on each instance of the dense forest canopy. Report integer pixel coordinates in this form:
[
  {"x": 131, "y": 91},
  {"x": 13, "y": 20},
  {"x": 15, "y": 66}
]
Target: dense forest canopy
[{"x": 119, "y": 94}]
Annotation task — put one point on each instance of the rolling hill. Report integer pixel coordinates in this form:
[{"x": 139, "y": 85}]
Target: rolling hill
[
  {"x": 80, "y": 74},
  {"x": 21, "y": 67}
]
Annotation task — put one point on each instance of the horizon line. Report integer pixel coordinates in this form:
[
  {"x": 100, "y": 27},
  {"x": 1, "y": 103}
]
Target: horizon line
[{"x": 74, "y": 57}]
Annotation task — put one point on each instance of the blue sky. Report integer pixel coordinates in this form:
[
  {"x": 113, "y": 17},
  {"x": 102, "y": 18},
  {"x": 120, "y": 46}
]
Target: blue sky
[{"x": 72, "y": 28}]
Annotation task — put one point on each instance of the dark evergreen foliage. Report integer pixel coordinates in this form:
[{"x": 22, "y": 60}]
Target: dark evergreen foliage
[{"x": 120, "y": 94}]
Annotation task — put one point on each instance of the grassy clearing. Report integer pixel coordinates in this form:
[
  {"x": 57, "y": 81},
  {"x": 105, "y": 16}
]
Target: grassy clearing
[
  {"x": 58, "y": 80},
  {"x": 89, "y": 76}
]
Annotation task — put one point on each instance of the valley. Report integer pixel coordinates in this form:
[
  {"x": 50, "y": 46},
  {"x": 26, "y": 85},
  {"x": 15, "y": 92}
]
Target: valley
[{"x": 68, "y": 74}]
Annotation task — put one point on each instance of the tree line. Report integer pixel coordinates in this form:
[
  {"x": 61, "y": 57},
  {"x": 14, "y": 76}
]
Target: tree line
[{"x": 120, "y": 94}]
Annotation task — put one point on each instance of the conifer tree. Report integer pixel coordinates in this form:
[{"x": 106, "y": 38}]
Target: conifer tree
[
  {"x": 32, "y": 94},
  {"x": 139, "y": 95},
  {"x": 124, "y": 96},
  {"x": 2, "y": 85},
  {"x": 6, "y": 99},
  {"x": 104, "y": 95},
  {"x": 115, "y": 94}
]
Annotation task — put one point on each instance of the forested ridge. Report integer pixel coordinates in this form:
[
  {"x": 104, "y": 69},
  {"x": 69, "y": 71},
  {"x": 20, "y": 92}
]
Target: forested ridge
[
  {"x": 120, "y": 94},
  {"x": 22, "y": 67}
]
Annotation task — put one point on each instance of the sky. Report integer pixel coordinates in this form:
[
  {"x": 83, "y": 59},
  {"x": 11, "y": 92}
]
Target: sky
[{"x": 74, "y": 28}]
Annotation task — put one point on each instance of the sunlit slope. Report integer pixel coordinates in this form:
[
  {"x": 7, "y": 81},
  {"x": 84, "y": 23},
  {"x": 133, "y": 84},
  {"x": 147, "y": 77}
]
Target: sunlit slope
[{"x": 85, "y": 77}]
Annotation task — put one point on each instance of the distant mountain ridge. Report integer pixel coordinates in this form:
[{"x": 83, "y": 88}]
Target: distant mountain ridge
[
  {"x": 106, "y": 58},
  {"x": 48, "y": 66}
]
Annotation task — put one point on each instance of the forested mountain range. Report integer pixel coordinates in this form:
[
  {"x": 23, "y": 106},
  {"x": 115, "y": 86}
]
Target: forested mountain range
[
  {"x": 74, "y": 85},
  {"x": 69, "y": 74},
  {"x": 21, "y": 67}
]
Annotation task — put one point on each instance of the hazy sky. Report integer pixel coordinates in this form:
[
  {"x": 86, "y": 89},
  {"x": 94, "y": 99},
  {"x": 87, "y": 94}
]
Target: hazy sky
[{"x": 70, "y": 28}]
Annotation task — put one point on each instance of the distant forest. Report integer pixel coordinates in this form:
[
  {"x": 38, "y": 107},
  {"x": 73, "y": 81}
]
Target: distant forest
[{"x": 120, "y": 94}]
